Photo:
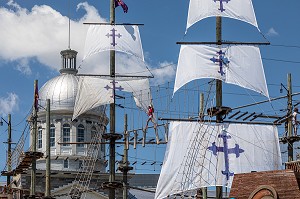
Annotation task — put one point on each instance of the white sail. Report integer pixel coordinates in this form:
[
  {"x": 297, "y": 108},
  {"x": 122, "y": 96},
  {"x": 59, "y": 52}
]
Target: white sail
[
  {"x": 236, "y": 9},
  {"x": 123, "y": 38},
  {"x": 239, "y": 65},
  {"x": 94, "y": 92},
  {"x": 201, "y": 155}
]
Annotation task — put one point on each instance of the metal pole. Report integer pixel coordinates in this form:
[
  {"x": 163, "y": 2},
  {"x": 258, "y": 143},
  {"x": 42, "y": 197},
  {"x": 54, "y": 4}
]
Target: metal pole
[
  {"x": 112, "y": 146},
  {"x": 33, "y": 149},
  {"x": 48, "y": 164},
  {"x": 9, "y": 151},
  {"x": 125, "y": 160},
  {"x": 219, "y": 92},
  {"x": 289, "y": 120}
]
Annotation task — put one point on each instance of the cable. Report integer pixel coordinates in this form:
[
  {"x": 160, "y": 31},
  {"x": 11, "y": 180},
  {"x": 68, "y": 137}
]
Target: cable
[
  {"x": 287, "y": 46},
  {"x": 281, "y": 60}
]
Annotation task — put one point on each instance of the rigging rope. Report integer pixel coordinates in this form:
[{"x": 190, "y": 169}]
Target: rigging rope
[{"x": 84, "y": 175}]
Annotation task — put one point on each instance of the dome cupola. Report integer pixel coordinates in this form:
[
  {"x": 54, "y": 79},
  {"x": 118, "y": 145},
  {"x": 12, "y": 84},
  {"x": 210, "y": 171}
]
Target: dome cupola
[{"x": 68, "y": 61}]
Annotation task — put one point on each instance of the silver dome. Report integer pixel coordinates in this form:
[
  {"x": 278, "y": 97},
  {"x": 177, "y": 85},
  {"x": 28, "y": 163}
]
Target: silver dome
[{"x": 61, "y": 91}]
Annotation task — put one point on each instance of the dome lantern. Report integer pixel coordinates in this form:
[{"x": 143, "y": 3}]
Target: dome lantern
[{"x": 68, "y": 62}]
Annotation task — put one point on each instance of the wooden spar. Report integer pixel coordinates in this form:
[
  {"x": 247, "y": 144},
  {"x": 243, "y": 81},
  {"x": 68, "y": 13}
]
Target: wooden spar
[
  {"x": 224, "y": 43},
  {"x": 131, "y": 143},
  {"x": 116, "y": 24},
  {"x": 127, "y": 76},
  {"x": 215, "y": 121}
]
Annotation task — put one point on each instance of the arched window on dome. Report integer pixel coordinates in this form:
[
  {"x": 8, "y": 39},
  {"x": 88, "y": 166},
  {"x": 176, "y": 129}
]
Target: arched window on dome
[
  {"x": 52, "y": 135},
  {"x": 66, "y": 134},
  {"x": 40, "y": 138},
  {"x": 80, "y": 135}
]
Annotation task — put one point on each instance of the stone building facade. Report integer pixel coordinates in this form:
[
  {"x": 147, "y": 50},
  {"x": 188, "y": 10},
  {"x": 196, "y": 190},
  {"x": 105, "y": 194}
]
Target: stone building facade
[{"x": 69, "y": 139}]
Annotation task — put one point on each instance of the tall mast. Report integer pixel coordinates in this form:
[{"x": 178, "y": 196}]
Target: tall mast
[
  {"x": 112, "y": 149},
  {"x": 112, "y": 136},
  {"x": 219, "y": 117}
]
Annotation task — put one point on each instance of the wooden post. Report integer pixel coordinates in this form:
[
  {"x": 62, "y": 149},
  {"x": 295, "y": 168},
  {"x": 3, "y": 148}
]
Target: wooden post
[
  {"x": 127, "y": 140},
  {"x": 204, "y": 192},
  {"x": 33, "y": 147},
  {"x": 156, "y": 134},
  {"x": 166, "y": 126},
  {"x": 201, "y": 111},
  {"x": 144, "y": 137},
  {"x": 135, "y": 139},
  {"x": 289, "y": 113},
  {"x": 9, "y": 152},
  {"x": 48, "y": 153},
  {"x": 125, "y": 160},
  {"x": 201, "y": 117}
]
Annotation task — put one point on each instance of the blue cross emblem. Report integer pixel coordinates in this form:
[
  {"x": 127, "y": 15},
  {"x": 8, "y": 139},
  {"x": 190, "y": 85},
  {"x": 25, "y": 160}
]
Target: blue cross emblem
[
  {"x": 221, "y": 60},
  {"x": 236, "y": 150},
  {"x": 114, "y": 35},
  {"x": 114, "y": 87},
  {"x": 221, "y": 4}
]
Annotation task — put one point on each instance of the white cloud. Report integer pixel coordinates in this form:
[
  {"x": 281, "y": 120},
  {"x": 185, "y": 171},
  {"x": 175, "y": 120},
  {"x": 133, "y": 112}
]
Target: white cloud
[
  {"x": 23, "y": 66},
  {"x": 9, "y": 104},
  {"x": 41, "y": 33},
  {"x": 164, "y": 73},
  {"x": 272, "y": 32}
]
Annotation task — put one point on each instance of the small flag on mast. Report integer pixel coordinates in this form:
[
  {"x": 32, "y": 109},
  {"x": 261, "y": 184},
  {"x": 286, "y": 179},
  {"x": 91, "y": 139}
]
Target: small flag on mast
[
  {"x": 122, "y": 4},
  {"x": 36, "y": 97}
]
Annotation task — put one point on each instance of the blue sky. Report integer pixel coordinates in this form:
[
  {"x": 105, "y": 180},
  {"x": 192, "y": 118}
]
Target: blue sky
[{"x": 32, "y": 34}]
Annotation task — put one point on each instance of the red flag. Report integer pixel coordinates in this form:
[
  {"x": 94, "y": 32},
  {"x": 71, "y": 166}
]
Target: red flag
[
  {"x": 122, "y": 4},
  {"x": 36, "y": 97}
]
